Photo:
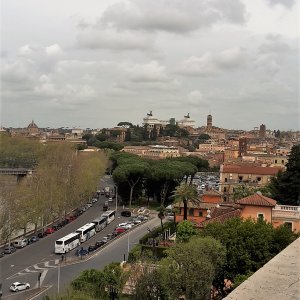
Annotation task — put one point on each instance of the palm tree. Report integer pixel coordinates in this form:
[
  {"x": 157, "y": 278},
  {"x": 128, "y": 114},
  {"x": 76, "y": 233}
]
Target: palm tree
[{"x": 186, "y": 193}]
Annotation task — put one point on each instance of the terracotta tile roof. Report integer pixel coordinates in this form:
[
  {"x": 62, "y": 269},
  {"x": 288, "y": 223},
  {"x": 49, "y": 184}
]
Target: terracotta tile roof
[
  {"x": 247, "y": 169},
  {"x": 213, "y": 193},
  {"x": 221, "y": 214},
  {"x": 203, "y": 205},
  {"x": 257, "y": 200}
]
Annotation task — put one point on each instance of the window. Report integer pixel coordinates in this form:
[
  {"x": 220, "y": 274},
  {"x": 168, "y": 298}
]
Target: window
[
  {"x": 258, "y": 178},
  {"x": 225, "y": 179},
  {"x": 282, "y": 162},
  {"x": 224, "y": 190},
  {"x": 240, "y": 178},
  {"x": 289, "y": 225},
  {"x": 200, "y": 213},
  {"x": 260, "y": 216},
  {"x": 275, "y": 161},
  {"x": 191, "y": 211}
]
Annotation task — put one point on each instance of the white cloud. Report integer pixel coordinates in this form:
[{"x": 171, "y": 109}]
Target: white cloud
[
  {"x": 286, "y": 3},
  {"x": 212, "y": 63},
  {"x": 150, "y": 72},
  {"x": 109, "y": 38},
  {"x": 178, "y": 16},
  {"x": 25, "y": 50},
  {"x": 53, "y": 50}
]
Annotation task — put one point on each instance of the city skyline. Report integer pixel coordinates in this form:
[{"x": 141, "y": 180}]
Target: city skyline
[{"x": 71, "y": 64}]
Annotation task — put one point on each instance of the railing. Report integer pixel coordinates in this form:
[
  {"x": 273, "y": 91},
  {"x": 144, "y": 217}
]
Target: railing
[
  {"x": 286, "y": 211},
  {"x": 287, "y": 208}
]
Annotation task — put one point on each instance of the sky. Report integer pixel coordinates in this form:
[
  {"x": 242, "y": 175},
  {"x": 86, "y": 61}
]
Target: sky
[{"x": 93, "y": 64}]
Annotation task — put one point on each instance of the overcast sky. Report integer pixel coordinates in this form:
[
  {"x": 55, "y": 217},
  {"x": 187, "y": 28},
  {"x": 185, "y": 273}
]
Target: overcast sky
[{"x": 95, "y": 63}]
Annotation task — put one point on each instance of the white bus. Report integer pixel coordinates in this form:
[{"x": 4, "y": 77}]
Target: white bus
[
  {"x": 109, "y": 215},
  {"x": 100, "y": 223},
  {"x": 86, "y": 231},
  {"x": 67, "y": 243}
]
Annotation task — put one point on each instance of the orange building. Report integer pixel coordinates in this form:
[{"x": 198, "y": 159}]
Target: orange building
[{"x": 255, "y": 206}]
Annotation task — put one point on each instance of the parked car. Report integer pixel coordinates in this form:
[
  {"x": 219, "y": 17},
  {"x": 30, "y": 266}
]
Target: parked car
[
  {"x": 105, "y": 239},
  {"x": 71, "y": 218},
  {"x": 126, "y": 213},
  {"x": 105, "y": 206},
  {"x": 94, "y": 200},
  {"x": 19, "y": 286},
  {"x": 20, "y": 243},
  {"x": 110, "y": 236},
  {"x": 91, "y": 248},
  {"x": 142, "y": 218},
  {"x": 119, "y": 230},
  {"x": 41, "y": 234},
  {"x": 110, "y": 199},
  {"x": 9, "y": 249},
  {"x": 1, "y": 254},
  {"x": 81, "y": 252},
  {"x": 33, "y": 239},
  {"x": 55, "y": 227},
  {"x": 49, "y": 230},
  {"x": 136, "y": 221},
  {"x": 99, "y": 244}
]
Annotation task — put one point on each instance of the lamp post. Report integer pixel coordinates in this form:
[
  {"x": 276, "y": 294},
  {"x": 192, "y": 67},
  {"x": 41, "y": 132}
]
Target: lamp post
[
  {"x": 116, "y": 197},
  {"x": 58, "y": 277}
]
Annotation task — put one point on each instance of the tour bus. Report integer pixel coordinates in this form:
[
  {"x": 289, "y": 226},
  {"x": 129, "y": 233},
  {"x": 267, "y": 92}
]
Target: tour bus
[
  {"x": 67, "y": 243},
  {"x": 109, "y": 215},
  {"x": 86, "y": 231},
  {"x": 100, "y": 223}
]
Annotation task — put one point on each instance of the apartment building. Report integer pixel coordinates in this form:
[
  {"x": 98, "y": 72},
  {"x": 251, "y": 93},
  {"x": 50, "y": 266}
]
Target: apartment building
[{"x": 232, "y": 175}]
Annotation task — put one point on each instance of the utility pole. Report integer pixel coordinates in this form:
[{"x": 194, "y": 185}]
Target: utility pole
[{"x": 116, "y": 197}]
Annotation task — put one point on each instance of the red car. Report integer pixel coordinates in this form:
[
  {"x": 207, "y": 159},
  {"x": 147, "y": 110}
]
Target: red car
[
  {"x": 119, "y": 230},
  {"x": 49, "y": 230}
]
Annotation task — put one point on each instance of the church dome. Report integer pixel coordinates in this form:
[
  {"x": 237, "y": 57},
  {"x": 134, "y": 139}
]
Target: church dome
[{"x": 32, "y": 125}]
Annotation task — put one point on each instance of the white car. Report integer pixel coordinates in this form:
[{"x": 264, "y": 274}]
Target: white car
[
  {"x": 110, "y": 199},
  {"x": 125, "y": 225},
  {"x": 19, "y": 286}
]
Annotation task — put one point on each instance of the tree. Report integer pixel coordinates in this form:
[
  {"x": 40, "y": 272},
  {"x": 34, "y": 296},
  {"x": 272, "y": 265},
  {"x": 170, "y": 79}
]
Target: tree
[
  {"x": 96, "y": 283},
  {"x": 203, "y": 137},
  {"x": 125, "y": 124},
  {"x": 167, "y": 173},
  {"x": 249, "y": 245},
  {"x": 161, "y": 215},
  {"x": 285, "y": 188},
  {"x": 242, "y": 191},
  {"x": 131, "y": 171},
  {"x": 187, "y": 194},
  {"x": 185, "y": 230},
  {"x": 150, "y": 285},
  {"x": 189, "y": 269}
]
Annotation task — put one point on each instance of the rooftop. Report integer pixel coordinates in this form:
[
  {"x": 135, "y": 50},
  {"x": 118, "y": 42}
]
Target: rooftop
[{"x": 257, "y": 200}]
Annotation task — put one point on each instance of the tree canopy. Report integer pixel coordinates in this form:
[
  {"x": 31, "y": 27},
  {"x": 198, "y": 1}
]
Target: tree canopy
[{"x": 285, "y": 188}]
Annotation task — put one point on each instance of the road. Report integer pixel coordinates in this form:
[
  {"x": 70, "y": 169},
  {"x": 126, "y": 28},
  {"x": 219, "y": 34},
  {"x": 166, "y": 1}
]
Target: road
[{"x": 26, "y": 264}]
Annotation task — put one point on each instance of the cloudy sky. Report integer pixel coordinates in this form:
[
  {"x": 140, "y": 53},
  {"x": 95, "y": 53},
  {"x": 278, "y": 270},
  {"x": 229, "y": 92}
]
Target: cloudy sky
[{"x": 95, "y": 63}]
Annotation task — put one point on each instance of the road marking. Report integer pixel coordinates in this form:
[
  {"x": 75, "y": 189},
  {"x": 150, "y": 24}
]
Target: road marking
[
  {"x": 48, "y": 266},
  {"x": 43, "y": 275},
  {"x": 30, "y": 271},
  {"x": 38, "y": 268},
  {"x": 42, "y": 291}
]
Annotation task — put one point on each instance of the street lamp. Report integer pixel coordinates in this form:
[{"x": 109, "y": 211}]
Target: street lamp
[{"x": 116, "y": 197}]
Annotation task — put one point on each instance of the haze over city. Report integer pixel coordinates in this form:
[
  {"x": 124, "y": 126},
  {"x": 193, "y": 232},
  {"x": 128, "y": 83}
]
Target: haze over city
[{"x": 96, "y": 63}]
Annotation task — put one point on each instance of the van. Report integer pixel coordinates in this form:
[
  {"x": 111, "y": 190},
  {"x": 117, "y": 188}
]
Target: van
[{"x": 21, "y": 243}]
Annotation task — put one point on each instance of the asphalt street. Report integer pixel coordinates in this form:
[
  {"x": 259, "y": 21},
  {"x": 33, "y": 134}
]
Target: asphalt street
[{"x": 26, "y": 264}]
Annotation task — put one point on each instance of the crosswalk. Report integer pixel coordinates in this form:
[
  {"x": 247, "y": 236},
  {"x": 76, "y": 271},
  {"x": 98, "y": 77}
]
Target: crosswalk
[{"x": 37, "y": 268}]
